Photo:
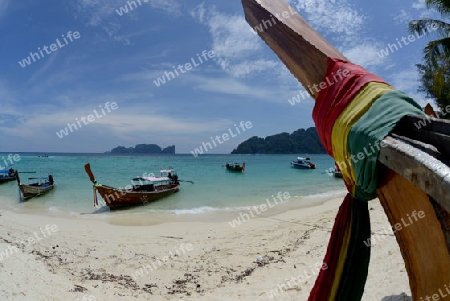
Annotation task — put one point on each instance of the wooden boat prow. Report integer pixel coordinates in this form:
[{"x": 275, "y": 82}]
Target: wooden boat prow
[
  {"x": 294, "y": 41},
  {"x": 414, "y": 180},
  {"x": 133, "y": 196}
]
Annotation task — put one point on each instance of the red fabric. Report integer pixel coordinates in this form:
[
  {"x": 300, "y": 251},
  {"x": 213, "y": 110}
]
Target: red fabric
[
  {"x": 325, "y": 279},
  {"x": 339, "y": 92}
]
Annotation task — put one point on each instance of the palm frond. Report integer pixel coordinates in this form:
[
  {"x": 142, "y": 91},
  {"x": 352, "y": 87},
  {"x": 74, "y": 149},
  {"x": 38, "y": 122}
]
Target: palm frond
[
  {"x": 436, "y": 49},
  {"x": 438, "y": 83},
  {"x": 442, "y": 6},
  {"x": 429, "y": 26}
]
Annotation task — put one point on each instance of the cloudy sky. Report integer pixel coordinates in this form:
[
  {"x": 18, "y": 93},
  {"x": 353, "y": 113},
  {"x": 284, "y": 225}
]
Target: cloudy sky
[{"x": 87, "y": 54}]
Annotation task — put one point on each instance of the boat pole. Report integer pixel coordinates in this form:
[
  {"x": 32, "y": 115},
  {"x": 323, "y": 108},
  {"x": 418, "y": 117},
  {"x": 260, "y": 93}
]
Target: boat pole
[{"x": 423, "y": 245}]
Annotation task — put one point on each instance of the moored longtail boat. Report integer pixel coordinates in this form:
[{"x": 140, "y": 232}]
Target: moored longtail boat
[
  {"x": 409, "y": 175},
  {"x": 235, "y": 167},
  {"x": 143, "y": 191},
  {"x": 7, "y": 175},
  {"x": 37, "y": 186},
  {"x": 337, "y": 172},
  {"x": 303, "y": 163}
]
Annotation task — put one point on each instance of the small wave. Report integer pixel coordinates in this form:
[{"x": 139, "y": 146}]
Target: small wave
[
  {"x": 328, "y": 194},
  {"x": 200, "y": 210}
]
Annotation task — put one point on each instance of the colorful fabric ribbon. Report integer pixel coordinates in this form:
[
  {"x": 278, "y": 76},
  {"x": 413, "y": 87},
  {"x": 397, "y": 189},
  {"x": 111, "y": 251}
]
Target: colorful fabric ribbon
[
  {"x": 95, "y": 193},
  {"x": 353, "y": 115},
  {"x": 344, "y": 80}
]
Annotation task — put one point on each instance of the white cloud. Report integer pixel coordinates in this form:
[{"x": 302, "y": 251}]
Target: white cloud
[
  {"x": 169, "y": 6},
  {"x": 102, "y": 14},
  {"x": 231, "y": 86},
  {"x": 4, "y": 7},
  {"x": 199, "y": 13},
  {"x": 120, "y": 123},
  {"x": 419, "y": 4},
  {"x": 403, "y": 18},
  {"x": 249, "y": 67},
  {"x": 408, "y": 81},
  {"x": 237, "y": 48},
  {"x": 42, "y": 70},
  {"x": 365, "y": 54},
  {"x": 421, "y": 7},
  {"x": 331, "y": 16}
]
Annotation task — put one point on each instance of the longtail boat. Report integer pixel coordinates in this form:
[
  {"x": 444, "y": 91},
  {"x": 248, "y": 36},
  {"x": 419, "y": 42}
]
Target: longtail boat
[
  {"x": 235, "y": 167},
  {"x": 37, "y": 186},
  {"x": 144, "y": 189},
  {"x": 303, "y": 163},
  {"x": 337, "y": 172},
  {"x": 7, "y": 175},
  {"x": 410, "y": 173}
]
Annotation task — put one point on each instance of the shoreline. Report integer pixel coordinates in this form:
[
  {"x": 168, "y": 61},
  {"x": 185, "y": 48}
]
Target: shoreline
[
  {"x": 93, "y": 258},
  {"x": 139, "y": 215}
]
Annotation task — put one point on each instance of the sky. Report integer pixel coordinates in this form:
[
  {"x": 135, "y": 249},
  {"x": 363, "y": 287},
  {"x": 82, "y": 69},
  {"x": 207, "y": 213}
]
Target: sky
[{"x": 98, "y": 68}]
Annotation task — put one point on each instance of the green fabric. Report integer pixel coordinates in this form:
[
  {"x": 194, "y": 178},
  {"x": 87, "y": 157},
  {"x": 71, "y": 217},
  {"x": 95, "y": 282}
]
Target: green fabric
[
  {"x": 371, "y": 129},
  {"x": 351, "y": 286}
]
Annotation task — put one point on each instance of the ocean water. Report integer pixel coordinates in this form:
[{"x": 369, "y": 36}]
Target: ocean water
[{"x": 214, "y": 188}]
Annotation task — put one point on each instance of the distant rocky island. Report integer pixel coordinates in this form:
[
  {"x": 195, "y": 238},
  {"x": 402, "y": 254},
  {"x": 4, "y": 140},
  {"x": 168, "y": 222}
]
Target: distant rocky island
[
  {"x": 143, "y": 149},
  {"x": 299, "y": 142}
]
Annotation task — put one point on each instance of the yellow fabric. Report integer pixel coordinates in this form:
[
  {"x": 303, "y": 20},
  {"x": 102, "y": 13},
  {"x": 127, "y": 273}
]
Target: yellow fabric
[
  {"x": 349, "y": 116},
  {"x": 341, "y": 262}
]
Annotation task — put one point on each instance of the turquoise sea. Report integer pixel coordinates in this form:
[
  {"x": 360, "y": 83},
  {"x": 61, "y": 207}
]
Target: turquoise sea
[{"x": 214, "y": 188}]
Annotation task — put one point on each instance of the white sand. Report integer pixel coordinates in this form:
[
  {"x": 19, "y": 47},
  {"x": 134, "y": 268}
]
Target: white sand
[{"x": 91, "y": 259}]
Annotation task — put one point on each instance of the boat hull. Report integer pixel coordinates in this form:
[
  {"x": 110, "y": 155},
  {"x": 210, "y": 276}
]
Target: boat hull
[
  {"x": 7, "y": 179},
  {"x": 29, "y": 191},
  {"x": 234, "y": 169},
  {"x": 302, "y": 166},
  {"x": 116, "y": 198},
  {"x": 338, "y": 174}
]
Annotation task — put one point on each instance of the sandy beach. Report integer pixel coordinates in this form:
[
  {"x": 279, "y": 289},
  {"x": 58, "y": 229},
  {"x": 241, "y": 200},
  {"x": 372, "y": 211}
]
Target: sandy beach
[{"x": 265, "y": 258}]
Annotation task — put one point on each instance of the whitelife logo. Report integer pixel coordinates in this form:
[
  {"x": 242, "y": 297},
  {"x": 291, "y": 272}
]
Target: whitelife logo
[
  {"x": 397, "y": 227},
  {"x": 53, "y": 47},
  {"x": 86, "y": 120},
  {"x": 206, "y": 146},
  {"x": 336, "y": 77},
  {"x": 49, "y": 229},
  {"x": 282, "y": 197},
  {"x": 411, "y": 38},
  {"x": 153, "y": 266},
  {"x": 11, "y": 158},
  {"x": 124, "y": 9},
  {"x": 168, "y": 75}
]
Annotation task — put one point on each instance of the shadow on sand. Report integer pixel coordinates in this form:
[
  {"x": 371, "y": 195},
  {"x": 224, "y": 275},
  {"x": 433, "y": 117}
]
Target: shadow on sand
[{"x": 402, "y": 297}]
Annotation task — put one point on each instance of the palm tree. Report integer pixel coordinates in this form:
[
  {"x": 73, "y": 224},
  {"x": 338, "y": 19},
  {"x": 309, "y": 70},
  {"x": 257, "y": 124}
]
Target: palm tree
[
  {"x": 435, "y": 71},
  {"x": 435, "y": 83},
  {"x": 436, "y": 48}
]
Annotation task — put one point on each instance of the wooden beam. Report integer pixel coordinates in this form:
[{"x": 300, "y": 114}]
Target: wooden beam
[
  {"x": 421, "y": 241},
  {"x": 418, "y": 167},
  {"x": 423, "y": 245},
  {"x": 295, "y": 42}
]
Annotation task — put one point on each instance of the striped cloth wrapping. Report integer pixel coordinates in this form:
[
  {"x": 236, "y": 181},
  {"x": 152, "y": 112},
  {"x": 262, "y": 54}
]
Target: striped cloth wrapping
[{"x": 353, "y": 115}]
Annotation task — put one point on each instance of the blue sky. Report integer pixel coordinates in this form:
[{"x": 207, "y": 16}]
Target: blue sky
[{"x": 118, "y": 58}]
